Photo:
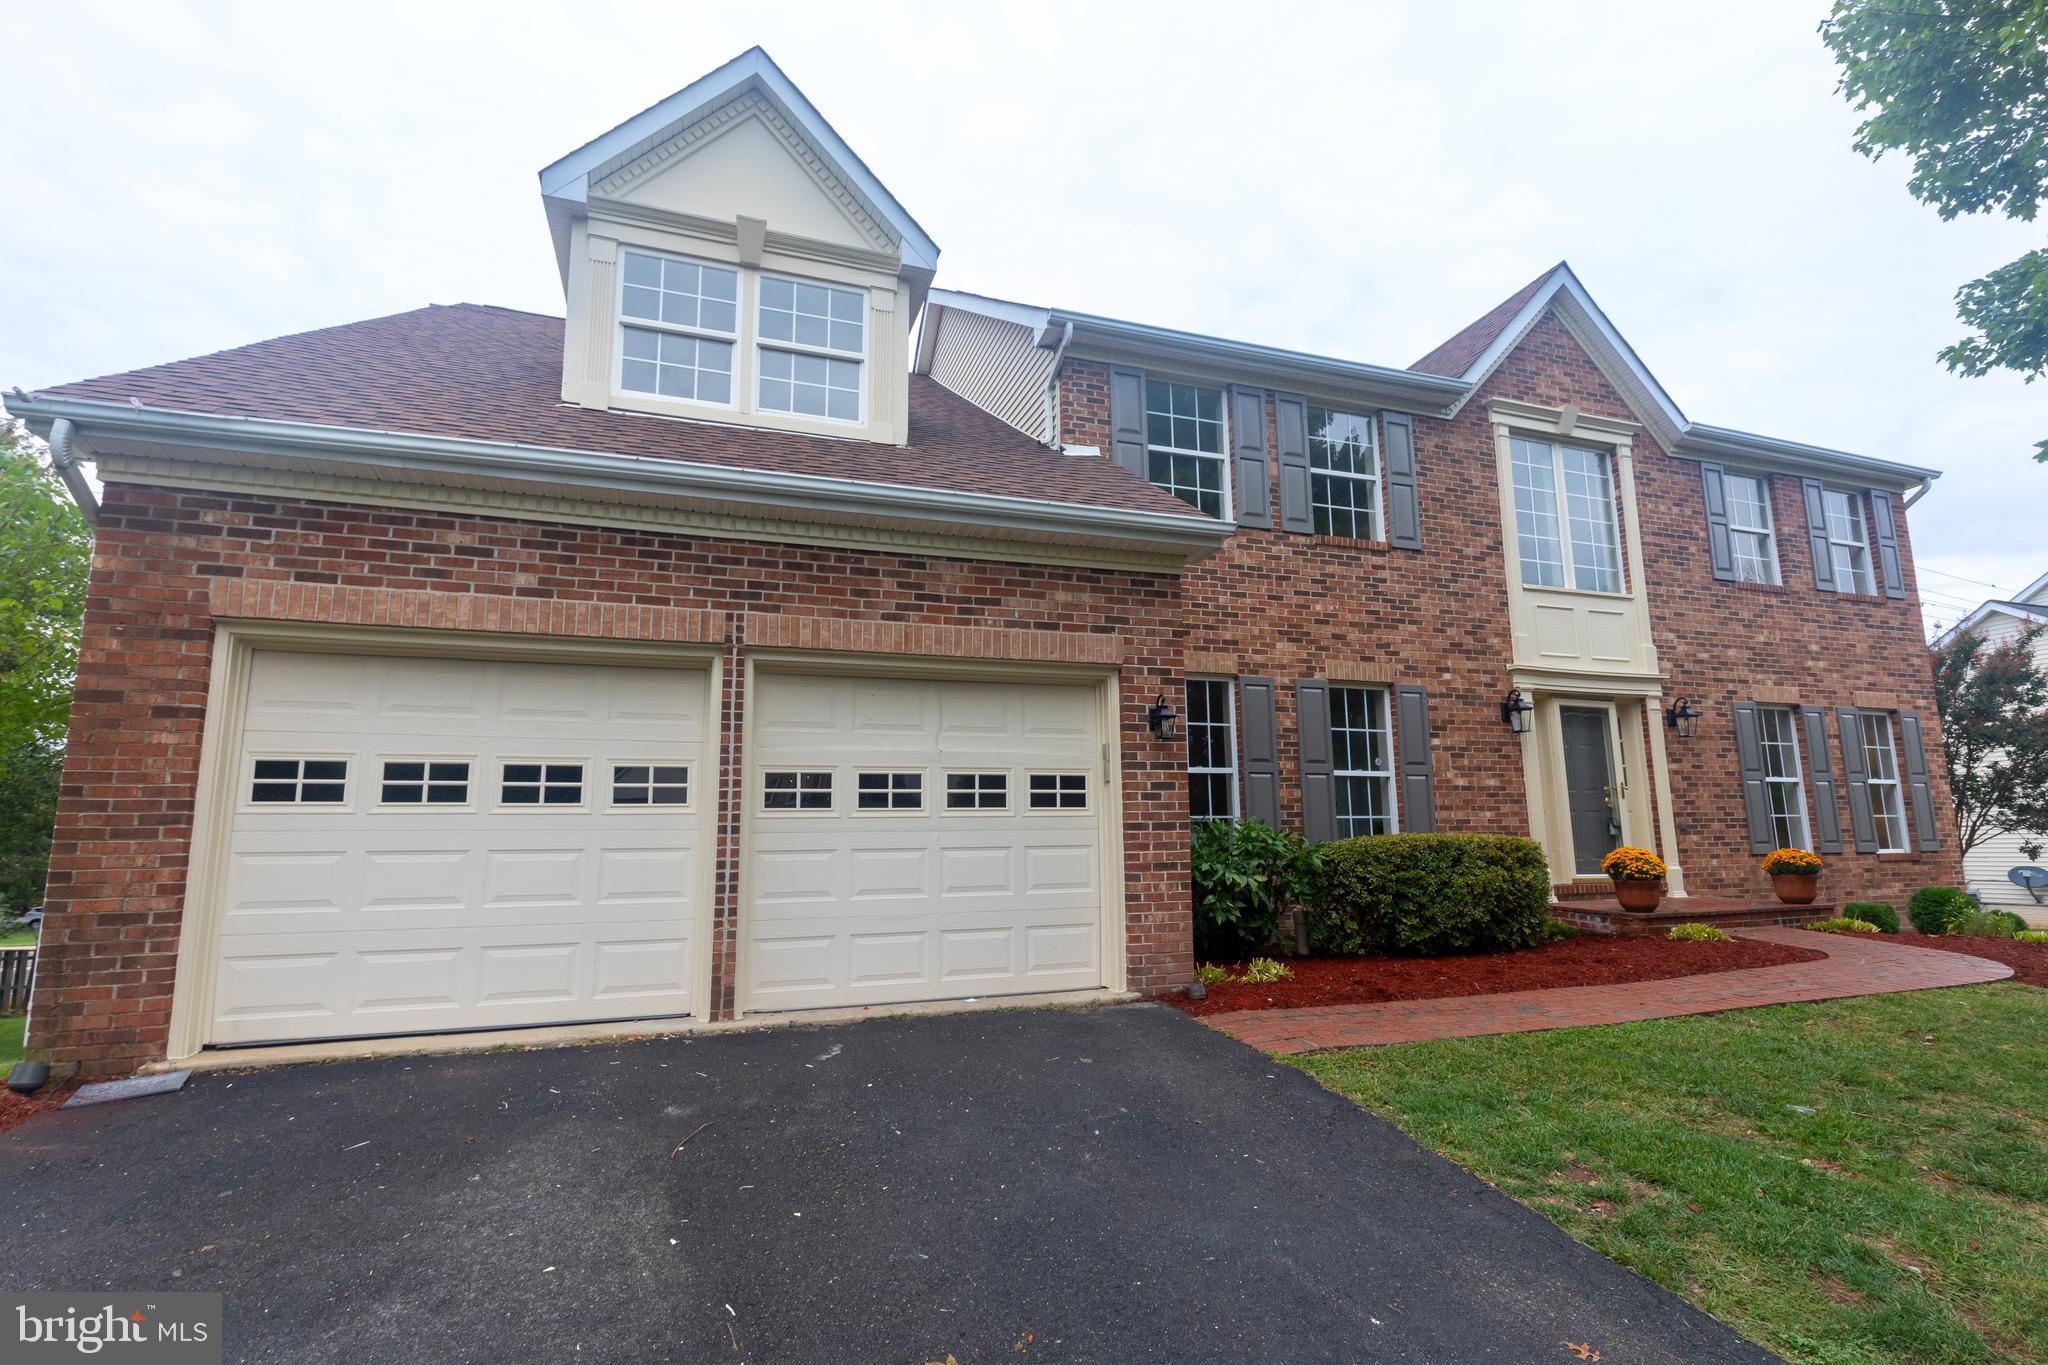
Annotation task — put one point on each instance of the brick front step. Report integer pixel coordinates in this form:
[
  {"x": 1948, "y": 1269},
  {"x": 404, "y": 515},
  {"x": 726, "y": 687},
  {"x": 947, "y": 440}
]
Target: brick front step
[{"x": 1607, "y": 917}]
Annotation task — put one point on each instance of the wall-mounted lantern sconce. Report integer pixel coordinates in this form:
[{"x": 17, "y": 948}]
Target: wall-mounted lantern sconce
[
  {"x": 1161, "y": 717},
  {"x": 1681, "y": 715},
  {"x": 1518, "y": 713}
]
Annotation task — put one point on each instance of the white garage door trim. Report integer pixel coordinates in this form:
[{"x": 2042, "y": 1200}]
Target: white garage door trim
[
  {"x": 235, "y": 646},
  {"x": 1107, "y": 771}
]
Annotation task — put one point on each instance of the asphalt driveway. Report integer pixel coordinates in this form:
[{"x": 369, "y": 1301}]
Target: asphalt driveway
[{"x": 1117, "y": 1185}]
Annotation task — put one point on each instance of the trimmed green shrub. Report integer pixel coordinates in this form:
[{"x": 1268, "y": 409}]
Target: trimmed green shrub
[
  {"x": 2032, "y": 936},
  {"x": 1426, "y": 894},
  {"x": 1695, "y": 933},
  {"x": 1873, "y": 912},
  {"x": 1245, "y": 873},
  {"x": 1556, "y": 931},
  {"x": 1844, "y": 925},
  {"x": 1931, "y": 907},
  {"x": 1986, "y": 923}
]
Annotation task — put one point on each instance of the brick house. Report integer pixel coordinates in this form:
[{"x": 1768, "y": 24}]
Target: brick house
[{"x": 776, "y": 632}]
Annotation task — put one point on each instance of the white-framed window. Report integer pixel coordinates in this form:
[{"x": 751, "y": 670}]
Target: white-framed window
[
  {"x": 1184, "y": 444},
  {"x": 1565, "y": 528},
  {"x": 1881, "y": 764},
  {"x": 813, "y": 348},
  {"x": 540, "y": 782},
  {"x": 298, "y": 781},
  {"x": 1784, "y": 780},
  {"x": 678, "y": 327},
  {"x": 650, "y": 784},
  {"x": 1056, "y": 791},
  {"x": 1212, "y": 750},
  {"x": 977, "y": 791},
  {"x": 785, "y": 789},
  {"x": 1750, "y": 536},
  {"x": 424, "y": 782},
  {"x": 1848, "y": 540},
  {"x": 888, "y": 791},
  {"x": 1344, "y": 474},
  {"x": 1362, "y": 761}
]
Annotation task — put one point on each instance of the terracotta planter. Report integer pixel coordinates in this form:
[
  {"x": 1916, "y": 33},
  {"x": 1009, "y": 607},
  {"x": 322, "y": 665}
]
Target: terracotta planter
[
  {"x": 1796, "y": 888},
  {"x": 1641, "y": 897}
]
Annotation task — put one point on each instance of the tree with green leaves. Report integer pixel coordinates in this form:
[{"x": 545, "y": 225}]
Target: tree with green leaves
[
  {"x": 45, "y": 551},
  {"x": 1961, "y": 87},
  {"x": 1993, "y": 701}
]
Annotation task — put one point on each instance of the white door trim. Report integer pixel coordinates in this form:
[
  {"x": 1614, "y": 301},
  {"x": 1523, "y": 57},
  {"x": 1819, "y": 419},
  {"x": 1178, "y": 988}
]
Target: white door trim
[{"x": 235, "y": 644}]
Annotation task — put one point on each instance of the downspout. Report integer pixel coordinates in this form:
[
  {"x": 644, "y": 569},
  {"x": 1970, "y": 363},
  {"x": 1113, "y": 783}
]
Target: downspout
[
  {"x": 68, "y": 470},
  {"x": 1052, "y": 389},
  {"x": 1917, "y": 493}
]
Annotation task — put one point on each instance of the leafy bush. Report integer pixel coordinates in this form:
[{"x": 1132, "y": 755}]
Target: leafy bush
[
  {"x": 1261, "y": 971},
  {"x": 1873, "y": 912},
  {"x": 2032, "y": 936},
  {"x": 1791, "y": 862},
  {"x": 1211, "y": 975},
  {"x": 1844, "y": 925},
  {"x": 1633, "y": 865},
  {"x": 1429, "y": 893},
  {"x": 1986, "y": 923},
  {"x": 1245, "y": 873},
  {"x": 1695, "y": 933},
  {"x": 1556, "y": 931},
  {"x": 1931, "y": 907}
]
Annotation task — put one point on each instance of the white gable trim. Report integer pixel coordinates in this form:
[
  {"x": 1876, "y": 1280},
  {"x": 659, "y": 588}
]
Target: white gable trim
[
  {"x": 570, "y": 178},
  {"x": 1986, "y": 611}
]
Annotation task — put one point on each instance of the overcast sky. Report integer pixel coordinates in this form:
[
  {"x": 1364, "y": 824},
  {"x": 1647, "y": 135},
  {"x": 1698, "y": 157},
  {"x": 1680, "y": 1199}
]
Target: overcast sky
[{"x": 1359, "y": 180}]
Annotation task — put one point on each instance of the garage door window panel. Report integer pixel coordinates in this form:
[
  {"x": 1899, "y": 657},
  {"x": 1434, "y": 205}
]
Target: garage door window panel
[
  {"x": 881, "y": 793},
  {"x": 1057, "y": 792},
  {"x": 541, "y": 783},
  {"x": 442, "y": 782},
  {"x": 977, "y": 792},
  {"x": 635, "y": 785},
  {"x": 796, "y": 789},
  {"x": 298, "y": 781}
]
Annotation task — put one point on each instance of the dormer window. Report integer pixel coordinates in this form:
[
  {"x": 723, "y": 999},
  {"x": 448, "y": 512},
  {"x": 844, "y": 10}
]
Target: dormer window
[
  {"x": 679, "y": 323},
  {"x": 813, "y": 344}
]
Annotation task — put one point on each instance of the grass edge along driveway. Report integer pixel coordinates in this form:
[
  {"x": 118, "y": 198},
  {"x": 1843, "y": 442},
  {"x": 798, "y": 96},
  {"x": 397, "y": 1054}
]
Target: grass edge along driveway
[{"x": 1862, "y": 1180}]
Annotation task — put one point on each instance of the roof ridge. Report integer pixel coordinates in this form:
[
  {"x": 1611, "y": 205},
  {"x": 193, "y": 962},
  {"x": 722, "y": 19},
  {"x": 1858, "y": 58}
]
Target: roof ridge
[{"x": 1458, "y": 352}]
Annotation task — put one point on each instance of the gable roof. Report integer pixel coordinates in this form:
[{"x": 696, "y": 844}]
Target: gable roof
[
  {"x": 481, "y": 375},
  {"x": 569, "y": 178},
  {"x": 1463, "y": 348},
  {"x": 2023, "y": 611}
]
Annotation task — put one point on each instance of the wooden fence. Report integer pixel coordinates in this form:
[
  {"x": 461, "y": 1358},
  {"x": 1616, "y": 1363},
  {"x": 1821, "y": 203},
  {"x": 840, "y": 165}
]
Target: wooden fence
[{"x": 17, "y": 973}]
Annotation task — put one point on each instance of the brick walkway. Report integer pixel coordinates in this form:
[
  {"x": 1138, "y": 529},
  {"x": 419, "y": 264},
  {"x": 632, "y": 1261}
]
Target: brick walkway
[{"x": 1855, "y": 965}]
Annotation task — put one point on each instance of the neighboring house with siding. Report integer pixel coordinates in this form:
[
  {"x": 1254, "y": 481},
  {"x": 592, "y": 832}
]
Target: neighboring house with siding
[
  {"x": 2000, "y": 621},
  {"x": 776, "y": 632}
]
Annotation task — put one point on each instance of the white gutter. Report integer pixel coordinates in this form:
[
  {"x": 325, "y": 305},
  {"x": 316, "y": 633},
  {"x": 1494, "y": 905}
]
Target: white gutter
[
  {"x": 67, "y": 469},
  {"x": 400, "y": 452},
  {"x": 1700, "y": 440}
]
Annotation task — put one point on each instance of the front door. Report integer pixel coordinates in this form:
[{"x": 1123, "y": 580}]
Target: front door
[{"x": 1589, "y": 787}]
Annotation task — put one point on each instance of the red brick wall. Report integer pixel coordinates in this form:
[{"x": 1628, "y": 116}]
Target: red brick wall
[
  {"x": 1290, "y": 606},
  {"x": 103, "y": 988}
]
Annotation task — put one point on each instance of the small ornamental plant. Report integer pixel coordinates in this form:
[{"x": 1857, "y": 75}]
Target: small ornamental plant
[
  {"x": 1696, "y": 933},
  {"x": 1791, "y": 862},
  {"x": 1633, "y": 865},
  {"x": 1845, "y": 926},
  {"x": 1261, "y": 971}
]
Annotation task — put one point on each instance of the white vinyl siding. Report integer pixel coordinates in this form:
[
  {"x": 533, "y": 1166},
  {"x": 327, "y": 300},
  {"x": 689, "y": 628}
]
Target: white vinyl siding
[
  {"x": 1750, "y": 536},
  {"x": 1848, "y": 540},
  {"x": 1881, "y": 762},
  {"x": 1343, "y": 462},
  {"x": 1184, "y": 444},
  {"x": 1362, "y": 761},
  {"x": 1212, "y": 750},
  {"x": 1568, "y": 540},
  {"x": 1784, "y": 780}
]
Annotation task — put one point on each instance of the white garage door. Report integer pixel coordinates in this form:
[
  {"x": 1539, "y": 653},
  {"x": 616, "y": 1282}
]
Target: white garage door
[
  {"x": 423, "y": 845},
  {"x": 912, "y": 840}
]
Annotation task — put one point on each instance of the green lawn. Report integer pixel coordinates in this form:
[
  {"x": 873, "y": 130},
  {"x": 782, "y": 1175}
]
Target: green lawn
[
  {"x": 1904, "y": 1219},
  {"x": 11, "y": 1027},
  {"x": 20, "y": 938}
]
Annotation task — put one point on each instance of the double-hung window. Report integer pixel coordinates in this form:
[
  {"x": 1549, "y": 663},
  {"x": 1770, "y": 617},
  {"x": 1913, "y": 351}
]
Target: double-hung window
[
  {"x": 1344, "y": 474},
  {"x": 1784, "y": 786},
  {"x": 1564, "y": 517},
  {"x": 1749, "y": 530},
  {"x": 1212, "y": 750},
  {"x": 1184, "y": 444},
  {"x": 679, "y": 324},
  {"x": 1361, "y": 761},
  {"x": 1848, "y": 540},
  {"x": 812, "y": 348},
  {"x": 1881, "y": 765}
]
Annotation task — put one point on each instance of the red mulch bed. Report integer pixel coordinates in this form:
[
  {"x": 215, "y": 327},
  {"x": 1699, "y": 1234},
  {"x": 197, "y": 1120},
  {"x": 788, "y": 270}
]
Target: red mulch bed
[
  {"x": 2029, "y": 961},
  {"x": 1587, "y": 960},
  {"x": 16, "y": 1109}
]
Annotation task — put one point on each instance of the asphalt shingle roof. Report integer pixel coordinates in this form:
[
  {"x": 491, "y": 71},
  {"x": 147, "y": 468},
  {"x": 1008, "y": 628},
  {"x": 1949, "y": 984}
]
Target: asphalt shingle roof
[{"x": 1455, "y": 356}]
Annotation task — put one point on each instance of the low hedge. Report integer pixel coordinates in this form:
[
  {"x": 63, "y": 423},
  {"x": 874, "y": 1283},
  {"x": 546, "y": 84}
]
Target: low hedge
[
  {"x": 1873, "y": 912},
  {"x": 1426, "y": 894},
  {"x": 1931, "y": 907}
]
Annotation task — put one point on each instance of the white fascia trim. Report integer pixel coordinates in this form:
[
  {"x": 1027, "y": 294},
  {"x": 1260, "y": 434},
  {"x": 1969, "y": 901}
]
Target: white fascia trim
[
  {"x": 1989, "y": 609},
  {"x": 569, "y": 178},
  {"x": 2026, "y": 594},
  {"x": 755, "y": 489},
  {"x": 1700, "y": 441}
]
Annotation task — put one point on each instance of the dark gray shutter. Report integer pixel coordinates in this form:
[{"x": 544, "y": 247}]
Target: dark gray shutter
[
  {"x": 1404, "y": 508},
  {"x": 1312, "y": 730},
  {"x": 1261, "y": 750},
  {"x": 1418, "y": 788},
  {"x": 1919, "y": 792},
  {"x": 1127, "y": 419},
  {"x": 1720, "y": 550},
  {"x": 1820, "y": 778},
  {"x": 1248, "y": 458},
  {"x": 1749, "y": 757},
  {"x": 1290, "y": 425},
  {"x": 1817, "y": 535},
  {"x": 1887, "y": 543},
  {"x": 1857, "y": 777}
]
